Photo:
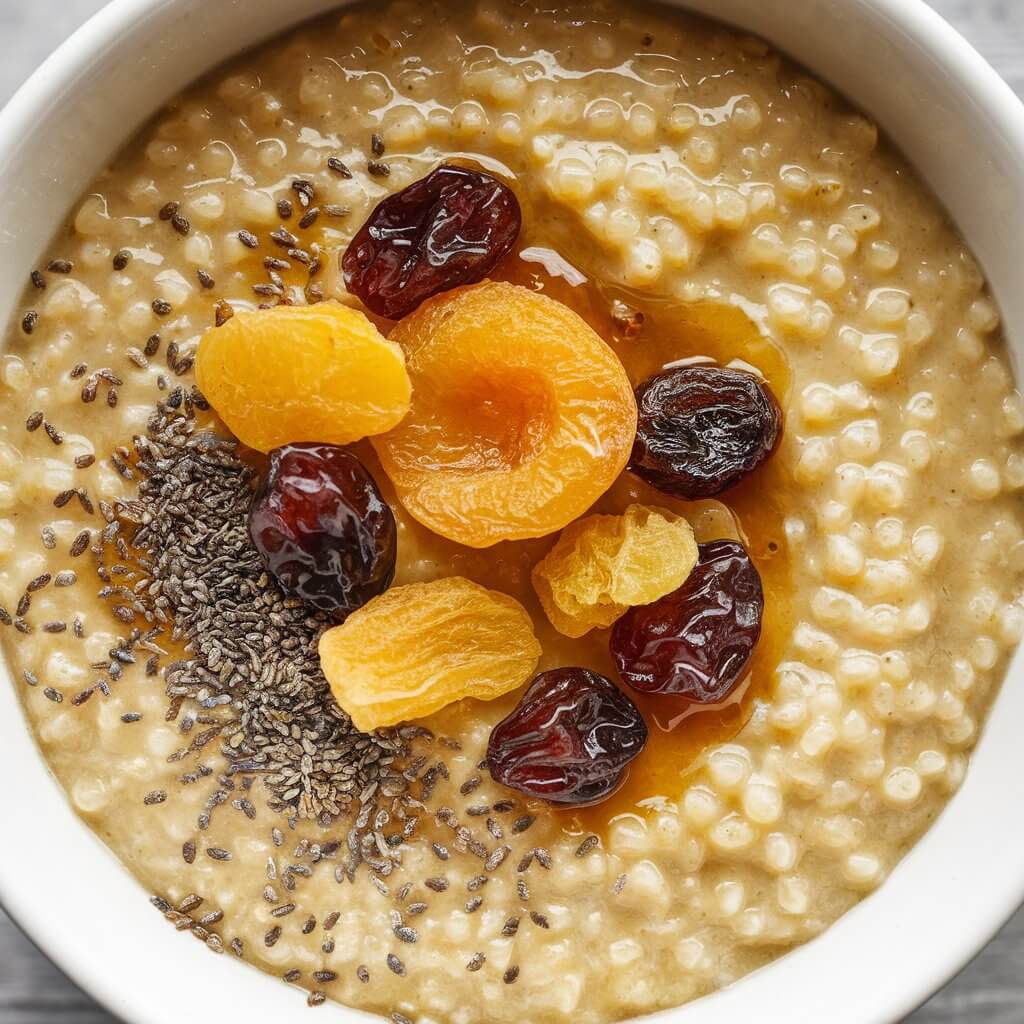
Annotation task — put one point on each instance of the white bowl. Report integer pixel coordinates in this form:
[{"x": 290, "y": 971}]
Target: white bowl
[{"x": 962, "y": 127}]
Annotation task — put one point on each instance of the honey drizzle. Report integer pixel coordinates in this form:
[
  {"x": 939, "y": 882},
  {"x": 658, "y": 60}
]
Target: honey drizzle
[{"x": 680, "y": 732}]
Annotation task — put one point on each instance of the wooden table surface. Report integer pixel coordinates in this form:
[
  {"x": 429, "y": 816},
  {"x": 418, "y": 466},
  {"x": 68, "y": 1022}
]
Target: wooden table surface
[{"x": 33, "y": 991}]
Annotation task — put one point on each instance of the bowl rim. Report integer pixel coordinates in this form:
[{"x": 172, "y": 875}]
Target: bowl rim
[{"x": 912, "y": 19}]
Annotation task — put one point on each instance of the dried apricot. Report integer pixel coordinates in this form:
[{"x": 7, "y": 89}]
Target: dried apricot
[
  {"x": 521, "y": 415},
  {"x": 414, "y": 649},
  {"x": 302, "y": 373},
  {"x": 603, "y": 565}
]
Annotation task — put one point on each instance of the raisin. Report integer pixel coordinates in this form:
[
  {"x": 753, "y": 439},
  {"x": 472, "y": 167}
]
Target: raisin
[
  {"x": 322, "y": 528},
  {"x": 569, "y": 739},
  {"x": 701, "y": 429},
  {"x": 445, "y": 230},
  {"x": 696, "y": 641}
]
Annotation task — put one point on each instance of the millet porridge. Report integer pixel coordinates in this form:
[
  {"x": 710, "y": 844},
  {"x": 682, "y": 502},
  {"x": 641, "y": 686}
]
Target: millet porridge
[{"x": 689, "y": 193}]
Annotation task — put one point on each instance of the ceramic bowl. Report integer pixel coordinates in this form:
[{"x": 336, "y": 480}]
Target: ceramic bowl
[{"x": 962, "y": 127}]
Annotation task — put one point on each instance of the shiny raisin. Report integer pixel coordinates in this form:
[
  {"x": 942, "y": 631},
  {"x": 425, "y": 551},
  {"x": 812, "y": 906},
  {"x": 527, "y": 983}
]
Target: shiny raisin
[
  {"x": 322, "y": 528},
  {"x": 445, "y": 230},
  {"x": 701, "y": 429},
  {"x": 569, "y": 739},
  {"x": 696, "y": 641}
]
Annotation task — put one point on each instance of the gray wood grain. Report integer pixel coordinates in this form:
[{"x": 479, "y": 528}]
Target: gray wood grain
[{"x": 33, "y": 991}]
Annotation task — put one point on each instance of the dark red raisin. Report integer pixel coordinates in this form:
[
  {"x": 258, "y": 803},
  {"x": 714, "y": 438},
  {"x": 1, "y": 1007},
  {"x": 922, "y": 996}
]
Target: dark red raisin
[
  {"x": 701, "y": 429},
  {"x": 569, "y": 739},
  {"x": 696, "y": 641},
  {"x": 322, "y": 527},
  {"x": 445, "y": 230}
]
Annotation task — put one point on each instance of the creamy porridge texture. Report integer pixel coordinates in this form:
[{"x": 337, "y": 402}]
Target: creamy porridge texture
[{"x": 664, "y": 165}]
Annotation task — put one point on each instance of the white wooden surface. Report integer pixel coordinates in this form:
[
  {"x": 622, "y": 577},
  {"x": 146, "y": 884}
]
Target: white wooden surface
[{"x": 33, "y": 991}]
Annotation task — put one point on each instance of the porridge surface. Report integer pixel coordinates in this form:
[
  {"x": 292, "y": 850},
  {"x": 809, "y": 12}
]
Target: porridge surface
[{"x": 695, "y": 174}]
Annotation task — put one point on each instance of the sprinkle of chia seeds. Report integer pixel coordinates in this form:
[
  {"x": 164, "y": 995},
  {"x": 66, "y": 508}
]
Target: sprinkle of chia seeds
[
  {"x": 37, "y": 279},
  {"x": 161, "y": 307},
  {"x": 378, "y": 168},
  {"x": 543, "y": 857},
  {"x": 377, "y": 144},
  {"x": 29, "y": 321},
  {"x": 395, "y": 965},
  {"x": 470, "y": 784},
  {"x": 304, "y": 190},
  {"x": 181, "y": 224},
  {"x": 122, "y": 258},
  {"x": 168, "y": 210},
  {"x": 55, "y": 695},
  {"x": 216, "y": 853},
  {"x": 476, "y": 961},
  {"x": 364, "y": 975},
  {"x": 53, "y": 433},
  {"x": 60, "y": 266},
  {"x": 34, "y": 422},
  {"x": 497, "y": 858},
  {"x": 283, "y": 238},
  {"x": 338, "y": 166},
  {"x": 157, "y": 796}
]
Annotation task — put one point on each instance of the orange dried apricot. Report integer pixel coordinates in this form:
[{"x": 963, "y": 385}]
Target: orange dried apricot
[
  {"x": 603, "y": 565},
  {"x": 302, "y": 373},
  {"x": 521, "y": 415},
  {"x": 414, "y": 649}
]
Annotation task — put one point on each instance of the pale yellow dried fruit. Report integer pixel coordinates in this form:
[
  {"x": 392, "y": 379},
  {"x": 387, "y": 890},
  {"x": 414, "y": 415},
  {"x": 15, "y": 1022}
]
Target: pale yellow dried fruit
[
  {"x": 415, "y": 649},
  {"x": 602, "y": 565}
]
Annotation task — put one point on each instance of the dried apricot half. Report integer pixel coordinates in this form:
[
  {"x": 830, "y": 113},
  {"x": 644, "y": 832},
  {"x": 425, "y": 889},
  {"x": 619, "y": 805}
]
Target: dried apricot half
[
  {"x": 603, "y": 565},
  {"x": 521, "y": 415},
  {"x": 414, "y": 649},
  {"x": 302, "y": 373}
]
